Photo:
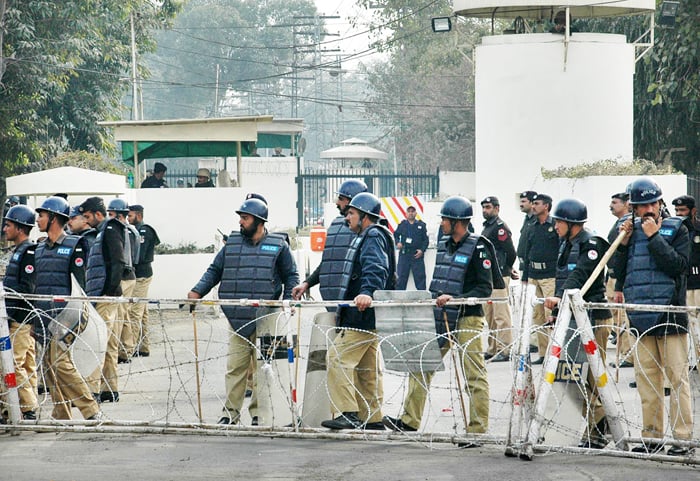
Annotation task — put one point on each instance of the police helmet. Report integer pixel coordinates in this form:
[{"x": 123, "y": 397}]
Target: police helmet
[
  {"x": 14, "y": 199},
  {"x": 255, "y": 207},
  {"x": 366, "y": 203},
  {"x": 75, "y": 211},
  {"x": 644, "y": 191},
  {"x": 350, "y": 188},
  {"x": 571, "y": 210},
  {"x": 457, "y": 207},
  {"x": 21, "y": 214},
  {"x": 55, "y": 205},
  {"x": 119, "y": 206}
]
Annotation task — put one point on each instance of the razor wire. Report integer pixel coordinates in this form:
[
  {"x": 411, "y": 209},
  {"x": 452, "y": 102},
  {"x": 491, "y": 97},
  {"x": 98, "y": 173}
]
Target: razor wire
[{"x": 160, "y": 393}]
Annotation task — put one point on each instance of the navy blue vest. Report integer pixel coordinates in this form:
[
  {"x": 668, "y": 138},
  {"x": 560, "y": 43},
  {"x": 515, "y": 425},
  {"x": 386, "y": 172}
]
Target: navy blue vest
[
  {"x": 18, "y": 310},
  {"x": 96, "y": 273},
  {"x": 448, "y": 278},
  {"x": 338, "y": 240},
  {"x": 645, "y": 283},
  {"x": 249, "y": 273},
  {"x": 53, "y": 270}
]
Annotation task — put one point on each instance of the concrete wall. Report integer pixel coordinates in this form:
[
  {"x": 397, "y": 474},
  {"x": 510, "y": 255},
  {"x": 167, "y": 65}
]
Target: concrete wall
[{"x": 540, "y": 104}]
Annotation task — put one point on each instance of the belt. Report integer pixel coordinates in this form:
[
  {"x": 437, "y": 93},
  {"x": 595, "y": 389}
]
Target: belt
[{"x": 540, "y": 266}]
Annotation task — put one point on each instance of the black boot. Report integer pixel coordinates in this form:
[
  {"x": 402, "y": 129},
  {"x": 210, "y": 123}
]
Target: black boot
[{"x": 347, "y": 420}]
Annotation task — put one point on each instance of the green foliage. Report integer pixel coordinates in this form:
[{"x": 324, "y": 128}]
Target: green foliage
[
  {"x": 61, "y": 70},
  {"x": 609, "y": 167},
  {"x": 666, "y": 87},
  {"x": 251, "y": 42},
  {"x": 189, "y": 248},
  {"x": 424, "y": 94},
  {"x": 85, "y": 160}
]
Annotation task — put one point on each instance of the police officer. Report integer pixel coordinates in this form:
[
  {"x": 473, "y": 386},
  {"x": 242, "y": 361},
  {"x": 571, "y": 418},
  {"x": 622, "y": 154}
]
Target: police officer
[
  {"x": 119, "y": 209},
  {"x": 106, "y": 267},
  {"x": 526, "y": 199},
  {"x": 498, "y": 314},
  {"x": 138, "y": 312},
  {"x": 56, "y": 259},
  {"x": 157, "y": 180},
  {"x": 540, "y": 263},
  {"x": 203, "y": 178},
  {"x": 338, "y": 240},
  {"x": 19, "y": 278},
  {"x": 354, "y": 381},
  {"x": 464, "y": 267},
  {"x": 685, "y": 207},
  {"x": 579, "y": 254},
  {"x": 619, "y": 207},
  {"x": 77, "y": 225},
  {"x": 254, "y": 264},
  {"x": 652, "y": 266},
  {"x": 411, "y": 237}
]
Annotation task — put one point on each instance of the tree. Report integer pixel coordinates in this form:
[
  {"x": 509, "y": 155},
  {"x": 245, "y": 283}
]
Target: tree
[
  {"x": 61, "y": 65},
  {"x": 666, "y": 87},
  {"x": 424, "y": 94},
  {"x": 251, "y": 45}
]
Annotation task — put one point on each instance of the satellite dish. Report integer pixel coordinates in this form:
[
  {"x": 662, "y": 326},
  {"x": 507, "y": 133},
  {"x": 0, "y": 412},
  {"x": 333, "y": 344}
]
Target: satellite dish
[{"x": 301, "y": 146}]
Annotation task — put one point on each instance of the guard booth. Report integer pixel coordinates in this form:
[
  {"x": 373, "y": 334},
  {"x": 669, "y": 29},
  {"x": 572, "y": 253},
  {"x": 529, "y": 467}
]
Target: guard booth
[{"x": 545, "y": 100}]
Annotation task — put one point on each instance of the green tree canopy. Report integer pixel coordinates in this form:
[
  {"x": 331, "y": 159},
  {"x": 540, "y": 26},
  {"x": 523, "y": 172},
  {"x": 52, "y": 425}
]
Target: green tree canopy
[{"x": 62, "y": 69}]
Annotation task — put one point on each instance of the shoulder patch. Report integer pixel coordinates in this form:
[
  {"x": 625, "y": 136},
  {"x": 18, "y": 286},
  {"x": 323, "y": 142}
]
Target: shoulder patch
[
  {"x": 593, "y": 254},
  {"x": 29, "y": 268},
  {"x": 486, "y": 264},
  {"x": 79, "y": 261},
  {"x": 502, "y": 234}
]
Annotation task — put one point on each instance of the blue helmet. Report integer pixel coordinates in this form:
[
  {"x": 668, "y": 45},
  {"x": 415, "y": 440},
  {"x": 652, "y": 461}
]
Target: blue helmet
[
  {"x": 21, "y": 214},
  {"x": 350, "y": 188},
  {"x": 55, "y": 205},
  {"x": 367, "y": 203},
  {"x": 118, "y": 205},
  {"x": 457, "y": 207},
  {"x": 255, "y": 207},
  {"x": 571, "y": 210},
  {"x": 644, "y": 191}
]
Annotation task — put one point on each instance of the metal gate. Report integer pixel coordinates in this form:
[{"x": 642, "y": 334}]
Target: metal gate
[{"x": 317, "y": 187}]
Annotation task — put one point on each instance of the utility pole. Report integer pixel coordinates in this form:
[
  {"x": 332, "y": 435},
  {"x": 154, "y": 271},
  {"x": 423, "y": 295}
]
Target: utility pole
[{"x": 134, "y": 72}]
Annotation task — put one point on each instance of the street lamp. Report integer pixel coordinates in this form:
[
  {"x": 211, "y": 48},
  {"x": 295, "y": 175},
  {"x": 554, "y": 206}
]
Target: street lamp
[{"x": 441, "y": 24}]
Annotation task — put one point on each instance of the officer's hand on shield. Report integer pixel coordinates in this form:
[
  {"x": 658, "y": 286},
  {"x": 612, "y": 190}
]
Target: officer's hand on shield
[
  {"x": 299, "y": 290},
  {"x": 362, "y": 302}
]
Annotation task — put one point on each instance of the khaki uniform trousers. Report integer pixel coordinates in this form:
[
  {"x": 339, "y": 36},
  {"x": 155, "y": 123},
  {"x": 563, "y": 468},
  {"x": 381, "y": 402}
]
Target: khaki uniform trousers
[
  {"x": 354, "y": 377},
  {"x": 108, "y": 369},
  {"x": 693, "y": 299},
  {"x": 593, "y": 411},
  {"x": 135, "y": 330},
  {"x": 67, "y": 386},
  {"x": 543, "y": 288},
  {"x": 654, "y": 356},
  {"x": 625, "y": 340},
  {"x": 499, "y": 321},
  {"x": 241, "y": 354},
  {"x": 24, "y": 352},
  {"x": 468, "y": 337},
  {"x": 126, "y": 338}
]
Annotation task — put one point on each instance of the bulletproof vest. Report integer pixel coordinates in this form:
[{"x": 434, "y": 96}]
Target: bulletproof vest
[
  {"x": 17, "y": 310},
  {"x": 89, "y": 235},
  {"x": 338, "y": 240},
  {"x": 96, "y": 273},
  {"x": 249, "y": 273},
  {"x": 351, "y": 266},
  {"x": 645, "y": 283},
  {"x": 448, "y": 276},
  {"x": 53, "y": 270}
]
